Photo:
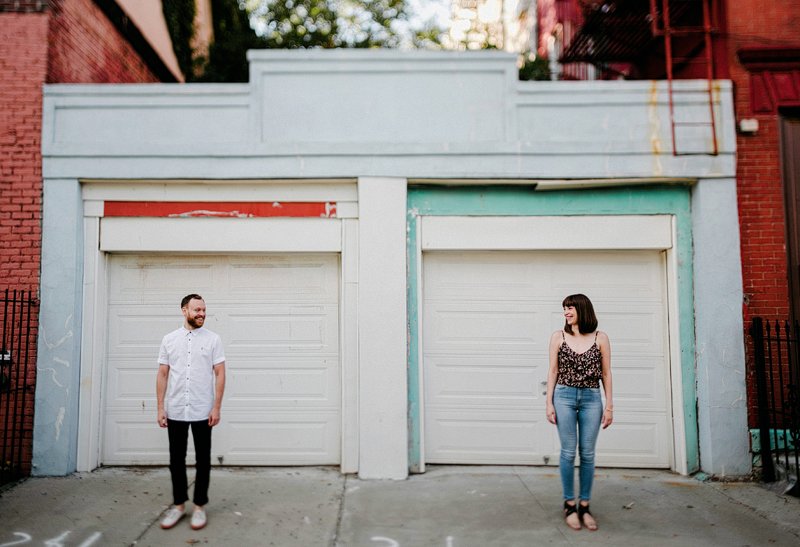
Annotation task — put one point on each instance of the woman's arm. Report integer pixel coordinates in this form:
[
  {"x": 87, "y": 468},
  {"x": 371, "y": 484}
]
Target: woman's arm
[
  {"x": 552, "y": 375},
  {"x": 605, "y": 352}
]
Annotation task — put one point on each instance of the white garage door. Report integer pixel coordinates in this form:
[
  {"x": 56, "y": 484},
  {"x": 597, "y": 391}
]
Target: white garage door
[
  {"x": 278, "y": 319},
  {"x": 487, "y": 319}
]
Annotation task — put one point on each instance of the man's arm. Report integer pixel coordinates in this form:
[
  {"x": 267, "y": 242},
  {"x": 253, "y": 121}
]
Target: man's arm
[
  {"x": 219, "y": 390},
  {"x": 161, "y": 391}
]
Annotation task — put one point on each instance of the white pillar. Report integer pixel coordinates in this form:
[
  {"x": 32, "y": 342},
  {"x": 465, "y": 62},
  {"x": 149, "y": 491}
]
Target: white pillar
[
  {"x": 721, "y": 381},
  {"x": 58, "y": 359},
  {"x": 382, "y": 331}
]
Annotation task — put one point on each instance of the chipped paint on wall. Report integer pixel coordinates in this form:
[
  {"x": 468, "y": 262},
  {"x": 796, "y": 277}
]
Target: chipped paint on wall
[
  {"x": 60, "y": 421},
  {"x": 656, "y": 146}
]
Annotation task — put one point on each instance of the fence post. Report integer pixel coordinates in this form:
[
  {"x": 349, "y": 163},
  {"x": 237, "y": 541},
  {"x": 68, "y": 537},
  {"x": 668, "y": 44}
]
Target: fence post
[
  {"x": 15, "y": 356},
  {"x": 757, "y": 333}
]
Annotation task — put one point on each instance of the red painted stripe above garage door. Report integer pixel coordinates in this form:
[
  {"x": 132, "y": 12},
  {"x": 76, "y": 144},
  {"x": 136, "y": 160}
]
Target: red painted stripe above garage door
[{"x": 218, "y": 209}]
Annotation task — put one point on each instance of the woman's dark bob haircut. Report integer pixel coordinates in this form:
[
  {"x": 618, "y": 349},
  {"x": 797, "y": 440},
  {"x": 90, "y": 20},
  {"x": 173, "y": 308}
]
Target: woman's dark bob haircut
[{"x": 587, "y": 320}]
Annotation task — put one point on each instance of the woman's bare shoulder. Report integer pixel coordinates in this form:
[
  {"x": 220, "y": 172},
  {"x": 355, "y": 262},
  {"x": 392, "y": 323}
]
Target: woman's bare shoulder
[{"x": 555, "y": 341}]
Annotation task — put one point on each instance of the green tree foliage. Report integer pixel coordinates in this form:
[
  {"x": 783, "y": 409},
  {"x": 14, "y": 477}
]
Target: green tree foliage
[
  {"x": 429, "y": 36},
  {"x": 233, "y": 36},
  {"x": 372, "y": 23},
  {"x": 179, "y": 15},
  {"x": 292, "y": 24},
  {"x": 534, "y": 68},
  {"x": 289, "y": 24}
]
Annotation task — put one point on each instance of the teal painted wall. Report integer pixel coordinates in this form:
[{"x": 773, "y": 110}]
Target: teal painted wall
[{"x": 526, "y": 201}]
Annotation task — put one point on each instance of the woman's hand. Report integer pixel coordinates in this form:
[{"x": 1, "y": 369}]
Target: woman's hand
[
  {"x": 551, "y": 413},
  {"x": 608, "y": 417}
]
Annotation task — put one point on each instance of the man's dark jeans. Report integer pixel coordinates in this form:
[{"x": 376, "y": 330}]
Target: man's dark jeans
[{"x": 178, "y": 439}]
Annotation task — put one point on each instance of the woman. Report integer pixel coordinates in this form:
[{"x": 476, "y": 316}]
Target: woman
[{"x": 580, "y": 358}]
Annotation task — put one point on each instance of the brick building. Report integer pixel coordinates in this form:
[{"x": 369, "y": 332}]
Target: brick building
[
  {"x": 615, "y": 160},
  {"x": 45, "y": 42},
  {"x": 754, "y": 44},
  {"x": 764, "y": 60}
]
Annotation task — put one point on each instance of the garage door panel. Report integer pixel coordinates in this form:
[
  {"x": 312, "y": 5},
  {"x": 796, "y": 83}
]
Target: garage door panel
[
  {"x": 630, "y": 330},
  {"x": 482, "y": 380},
  {"x": 633, "y": 331},
  {"x": 289, "y": 329},
  {"x": 312, "y": 384},
  {"x": 129, "y": 382},
  {"x": 492, "y": 278},
  {"x": 472, "y": 324},
  {"x": 638, "y": 387},
  {"x": 607, "y": 275},
  {"x": 251, "y": 437},
  {"x": 137, "y": 439},
  {"x": 134, "y": 332},
  {"x": 280, "y": 438},
  {"x": 638, "y": 435},
  {"x": 138, "y": 278},
  {"x": 243, "y": 279},
  {"x": 281, "y": 279},
  {"x": 505, "y": 437},
  {"x": 278, "y": 318}
]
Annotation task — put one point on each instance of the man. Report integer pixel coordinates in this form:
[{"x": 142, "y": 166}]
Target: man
[{"x": 189, "y": 388}]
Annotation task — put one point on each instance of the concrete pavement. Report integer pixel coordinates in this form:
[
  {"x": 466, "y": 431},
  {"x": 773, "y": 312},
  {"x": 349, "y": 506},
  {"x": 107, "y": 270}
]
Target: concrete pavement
[{"x": 449, "y": 506}]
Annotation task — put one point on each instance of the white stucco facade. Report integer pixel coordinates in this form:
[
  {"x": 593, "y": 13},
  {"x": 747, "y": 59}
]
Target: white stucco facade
[{"x": 357, "y": 131}]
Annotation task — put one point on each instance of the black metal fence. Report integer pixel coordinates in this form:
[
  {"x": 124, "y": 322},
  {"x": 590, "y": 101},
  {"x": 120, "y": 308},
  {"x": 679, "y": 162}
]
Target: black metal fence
[
  {"x": 18, "y": 327},
  {"x": 776, "y": 352}
]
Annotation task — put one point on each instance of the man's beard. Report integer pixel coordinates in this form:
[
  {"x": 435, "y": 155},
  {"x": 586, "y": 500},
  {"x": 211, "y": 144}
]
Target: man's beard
[{"x": 195, "y": 322}]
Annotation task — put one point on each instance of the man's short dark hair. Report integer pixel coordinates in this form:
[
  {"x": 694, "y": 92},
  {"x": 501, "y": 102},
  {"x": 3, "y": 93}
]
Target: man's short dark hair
[{"x": 188, "y": 297}]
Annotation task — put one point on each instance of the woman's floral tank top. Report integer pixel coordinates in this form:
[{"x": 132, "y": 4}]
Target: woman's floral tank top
[{"x": 579, "y": 369}]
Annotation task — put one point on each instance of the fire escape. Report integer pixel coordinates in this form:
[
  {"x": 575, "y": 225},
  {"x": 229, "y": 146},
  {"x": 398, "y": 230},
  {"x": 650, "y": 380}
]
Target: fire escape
[{"x": 659, "y": 39}]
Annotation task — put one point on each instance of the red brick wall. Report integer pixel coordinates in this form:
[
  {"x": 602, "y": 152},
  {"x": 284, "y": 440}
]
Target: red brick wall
[
  {"x": 23, "y": 66},
  {"x": 759, "y": 23},
  {"x": 71, "y": 41},
  {"x": 85, "y": 47}
]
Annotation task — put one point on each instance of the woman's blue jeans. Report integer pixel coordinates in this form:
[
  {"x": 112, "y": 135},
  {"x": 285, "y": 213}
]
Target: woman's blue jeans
[{"x": 578, "y": 414}]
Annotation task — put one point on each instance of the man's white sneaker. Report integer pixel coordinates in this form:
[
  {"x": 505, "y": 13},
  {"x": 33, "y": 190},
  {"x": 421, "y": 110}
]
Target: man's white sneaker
[
  {"x": 199, "y": 519},
  {"x": 172, "y": 517}
]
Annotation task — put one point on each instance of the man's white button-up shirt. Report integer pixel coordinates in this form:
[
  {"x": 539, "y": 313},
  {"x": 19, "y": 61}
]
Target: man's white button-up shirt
[{"x": 191, "y": 356}]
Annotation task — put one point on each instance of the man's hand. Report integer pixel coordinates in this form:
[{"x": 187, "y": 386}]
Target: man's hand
[
  {"x": 213, "y": 418},
  {"x": 219, "y": 390},
  {"x": 161, "y": 390}
]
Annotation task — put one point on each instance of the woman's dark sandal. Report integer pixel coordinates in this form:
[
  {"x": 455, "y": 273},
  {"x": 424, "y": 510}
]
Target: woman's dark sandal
[
  {"x": 571, "y": 510},
  {"x": 583, "y": 510}
]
